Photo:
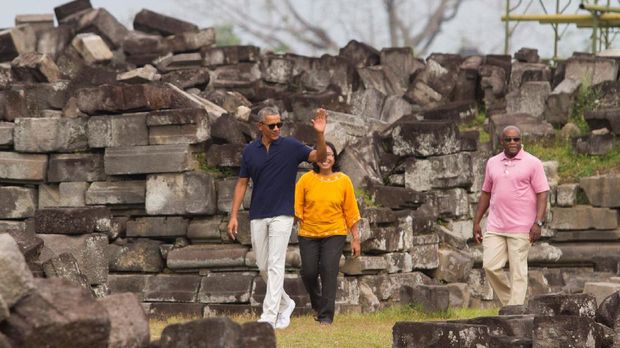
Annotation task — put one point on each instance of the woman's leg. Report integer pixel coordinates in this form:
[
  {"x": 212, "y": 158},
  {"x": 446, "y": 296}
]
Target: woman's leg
[
  {"x": 309, "y": 251},
  {"x": 331, "y": 250}
]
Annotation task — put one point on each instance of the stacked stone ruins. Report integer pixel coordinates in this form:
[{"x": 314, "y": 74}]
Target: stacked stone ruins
[{"x": 119, "y": 151}]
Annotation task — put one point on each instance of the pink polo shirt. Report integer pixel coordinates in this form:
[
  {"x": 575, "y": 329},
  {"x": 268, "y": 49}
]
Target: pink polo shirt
[{"x": 513, "y": 184}]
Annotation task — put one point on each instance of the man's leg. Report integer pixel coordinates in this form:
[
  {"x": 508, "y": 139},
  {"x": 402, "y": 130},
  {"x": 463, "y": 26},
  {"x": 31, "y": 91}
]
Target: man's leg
[
  {"x": 518, "y": 248},
  {"x": 494, "y": 257},
  {"x": 260, "y": 245},
  {"x": 331, "y": 250},
  {"x": 276, "y": 299},
  {"x": 309, "y": 251}
]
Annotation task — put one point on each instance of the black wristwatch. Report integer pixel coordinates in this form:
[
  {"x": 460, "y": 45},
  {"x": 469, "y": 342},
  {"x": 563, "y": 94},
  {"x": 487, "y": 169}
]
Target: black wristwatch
[{"x": 540, "y": 223}]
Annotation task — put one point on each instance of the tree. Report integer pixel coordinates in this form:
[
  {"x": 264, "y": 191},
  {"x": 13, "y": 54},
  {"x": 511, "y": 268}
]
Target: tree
[{"x": 324, "y": 26}]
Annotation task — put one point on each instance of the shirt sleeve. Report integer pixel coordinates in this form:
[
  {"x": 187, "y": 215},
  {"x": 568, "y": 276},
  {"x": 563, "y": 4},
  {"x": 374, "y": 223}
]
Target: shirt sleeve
[
  {"x": 300, "y": 198},
  {"x": 302, "y": 150},
  {"x": 351, "y": 211},
  {"x": 539, "y": 179},
  {"x": 487, "y": 185}
]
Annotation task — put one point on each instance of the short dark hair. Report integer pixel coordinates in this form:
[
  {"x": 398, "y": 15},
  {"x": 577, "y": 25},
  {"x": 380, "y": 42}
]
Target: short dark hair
[{"x": 336, "y": 167}]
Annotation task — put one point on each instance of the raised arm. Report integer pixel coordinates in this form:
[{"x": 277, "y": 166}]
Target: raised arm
[{"x": 319, "y": 123}]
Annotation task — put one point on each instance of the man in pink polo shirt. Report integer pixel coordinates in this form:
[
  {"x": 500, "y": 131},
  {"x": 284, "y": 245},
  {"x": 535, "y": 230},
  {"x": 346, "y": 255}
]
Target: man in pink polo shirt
[{"x": 515, "y": 193}]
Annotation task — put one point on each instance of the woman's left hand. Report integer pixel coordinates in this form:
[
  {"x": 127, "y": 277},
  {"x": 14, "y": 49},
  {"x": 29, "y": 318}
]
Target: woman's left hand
[{"x": 356, "y": 249}]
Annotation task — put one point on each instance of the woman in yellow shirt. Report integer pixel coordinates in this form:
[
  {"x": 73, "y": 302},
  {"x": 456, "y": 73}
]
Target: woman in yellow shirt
[{"x": 326, "y": 209}]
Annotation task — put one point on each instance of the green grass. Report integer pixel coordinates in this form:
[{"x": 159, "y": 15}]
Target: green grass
[
  {"x": 574, "y": 166},
  {"x": 348, "y": 330},
  {"x": 587, "y": 100}
]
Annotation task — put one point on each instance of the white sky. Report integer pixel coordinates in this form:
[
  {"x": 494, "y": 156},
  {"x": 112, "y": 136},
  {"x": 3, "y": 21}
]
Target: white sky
[{"x": 477, "y": 24}]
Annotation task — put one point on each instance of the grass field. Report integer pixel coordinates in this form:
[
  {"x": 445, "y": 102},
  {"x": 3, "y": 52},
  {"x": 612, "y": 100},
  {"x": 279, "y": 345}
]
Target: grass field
[{"x": 348, "y": 330}]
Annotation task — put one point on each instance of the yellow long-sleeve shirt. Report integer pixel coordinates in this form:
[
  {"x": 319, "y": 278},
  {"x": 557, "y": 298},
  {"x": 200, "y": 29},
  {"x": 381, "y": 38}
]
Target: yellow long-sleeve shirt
[{"x": 326, "y": 206}]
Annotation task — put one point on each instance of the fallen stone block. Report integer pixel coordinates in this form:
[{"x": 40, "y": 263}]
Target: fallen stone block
[
  {"x": 50, "y": 134},
  {"x": 133, "y": 283},
  {"x": 454, "y": 265},
  {"x": 363, "y": 265},
  {"x": 293, "y": 285},
  {"x": 425, "y": 251},
  {"x": 207, "y": 256},
  {"x": 228, "y": 55},
  {"x": 566, "y": 194},
  {"x": 566, "y": 331},
  {"x": 117, "y": 130},
  {"x": 76, "y": 167},
  {"x": 559, "y": 104},
  {"x": 172, "y": 288},
  {"x": 439, "y": 334},
  {"x": 58, "y": 314},
  {"x": 66, "y": 267},
  {"x": 187, "y": 193},
  {"x": 92, "y": 48},
  {"x": 116, "y": 192},
  {"x": 530, "y": 99},
  {"x": 190, "y": 40},
  {"x": 402, "y": 61},
  {"x": 188, "y": 78},
  {"x": 83, "y": 220},
  {"x": 219, "y": 332},
  {"x": 459, "y": 295},
  {"x": 153, "y": 22},
  {"x": 17, "y": 202},
  {"x": 593, "y": 70},
  {"x": 157, "y": 227},
  {"x": 103, "y": 23},
  {"x": 71, "y": 8},
  {"x": 147, "y": 159},
  {"x": 397, "y": 262},
  {"x": 35, "y": 67},
  {"x": 88, "y": 250},
  {"x": 582, "y": 305},
  {"x": 195, "y": 131},
  {"x": 424, "y": 138},
  {"x": 140, "y": 75},
  {"x": 15, "y": 41},
  {"x": 143, "y": 255},
  {"x": 205, "y": 229},
  {"x": 257, "y": 335},
  {"x": 129, "y": 325},
  {"x": 17, "y": 279},
  {"x": 6, "y": 133},
  {"x": 532, "y": 128},
  {"x": 606, "y": 118},
  {"x": 226, "y": 288},
  {"x": 428, "y": 298},
  {"x": 601, "y": 290},
  {"x": 458, "y": 111},
  {"x": 583, "y": 217},
  {"x": 439, "y": 172},
  {"x": 594, "y": 144},
  {"x": 602, "y": 191}
]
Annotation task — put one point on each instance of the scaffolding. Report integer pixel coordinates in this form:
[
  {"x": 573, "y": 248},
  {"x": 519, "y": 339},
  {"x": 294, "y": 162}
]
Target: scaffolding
[{"x": 603, "y": 20}]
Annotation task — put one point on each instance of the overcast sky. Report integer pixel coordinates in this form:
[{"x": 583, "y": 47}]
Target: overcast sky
[{"x": 477, "y": 25}]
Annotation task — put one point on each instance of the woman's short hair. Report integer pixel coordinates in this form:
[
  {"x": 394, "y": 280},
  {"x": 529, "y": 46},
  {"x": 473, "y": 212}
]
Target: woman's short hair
[{"x": 336, "y": 167}]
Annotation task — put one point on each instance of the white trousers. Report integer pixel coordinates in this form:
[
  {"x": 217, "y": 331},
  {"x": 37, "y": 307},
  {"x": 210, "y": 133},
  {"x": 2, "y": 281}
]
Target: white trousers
[
  {"x": 270, "y": 238},
  {"x": 497, "y": 249}
]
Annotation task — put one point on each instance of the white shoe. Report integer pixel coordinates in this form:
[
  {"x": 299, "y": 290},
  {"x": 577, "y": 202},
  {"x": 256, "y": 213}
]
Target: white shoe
[
  {"x": 284, "y": 318},
  {"x": 273, "y": 325}
]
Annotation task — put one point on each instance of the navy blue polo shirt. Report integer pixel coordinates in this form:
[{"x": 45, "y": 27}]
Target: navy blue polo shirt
[{"x": 273, "y": 175}]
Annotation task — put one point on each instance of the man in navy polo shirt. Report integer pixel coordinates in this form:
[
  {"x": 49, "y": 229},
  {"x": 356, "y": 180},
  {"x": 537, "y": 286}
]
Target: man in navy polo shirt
[{"x": 271, "y": 162}]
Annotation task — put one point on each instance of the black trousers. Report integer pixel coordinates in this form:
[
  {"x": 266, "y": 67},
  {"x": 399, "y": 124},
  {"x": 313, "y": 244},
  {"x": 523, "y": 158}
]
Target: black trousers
[{"x": 321, "y": 257}]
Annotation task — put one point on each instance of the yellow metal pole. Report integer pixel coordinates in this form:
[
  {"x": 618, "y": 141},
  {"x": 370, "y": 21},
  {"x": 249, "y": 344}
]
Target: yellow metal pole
[
  {"x": 507, "y": 29},
  {"x": 599, "y": 8},
  {"x": 562, "y": 18}
]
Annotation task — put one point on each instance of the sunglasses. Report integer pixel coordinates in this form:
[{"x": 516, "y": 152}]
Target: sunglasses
[
  {"x": 274, "y": 125},
  {"x": 515, "y": 139}
]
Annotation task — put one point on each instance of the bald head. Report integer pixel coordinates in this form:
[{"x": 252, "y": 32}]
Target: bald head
[{"x": 511, "y": 129}]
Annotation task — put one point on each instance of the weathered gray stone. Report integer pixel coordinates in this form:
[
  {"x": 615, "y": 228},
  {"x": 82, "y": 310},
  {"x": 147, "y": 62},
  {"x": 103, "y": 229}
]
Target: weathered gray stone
[
  {"x": 153, "y": 22},
  {"x": 226, "y": 288},
  {"x": 65, "y": 266},
  {"x": 592, "y": 70},
  {"x": 560, "y": 102},
  {"x": 424, "y": 138},
  {"x": 398, "y": 262},
  {"x": 187, "y": 193},
  {"x": 367, "y": 103},
  {"x": 73, "y": 220},
  {"x": 129, "y": 325},
  {"x": 157, "y": 227},
  {"x": 441, "y": 172},
  {"x": 202, "y": 229},
  {"x": 384, "y": 239},
  {"x": 58, "y": 314},
  {"x": 50, "y": 134},
  {"x": 566, "y": 331},
  {"x": 479, "y": 285},
  {"x": 140, "y": 256},
  {"x": 180, "y": 134},
  {"x": 602, "y": 191},
  {"x": 76, "y": 167},
  {"x": 102, "y": 23},
  {"x": 383, "y": 79},
  {"x": 88, "y": 250},
  {"x": 582, "y": 305},
  {"x": 17, "y": 202},
  {"x": 522, "y": 73},
  {"x": 428, "y": 298},
  {"x": 207, "y": 256},
  {"x": 594, "y": 144},
  {"x": 35, "y": 67},
  {"x": 439, "y": 334},
  {"x": 140, "y": 75},
  {"x": 72, "y": 193},
  {"x": 583, "y": 217},
  {"x": 454, "y": 265},
  {"x": 566, "y": 195},
  {"x": 6, "y": 133},
  {"x": 15, "y": 41},
  {"x": 49, "y": 196},
  {"x": 452, "y": 203},
  {"x": 92, "y": 48},
  {"x": 530, "y": 98},
  {"x": 16, "y": 278},
  {"x": 532, "y": 128},
  {"x": 71, "y": 8},
  {"x": 425, "y": 251},
  {"x": 606, "y": 118},
  {"x": 116, "y": 192},
  {"x": 147, "y": 159},
  {"x": 459, "y": 295},
  {"x": 257, "y": 335},
  {"x": 401, "y": 61},
  {"x": 134, "y": 283},
  {"x": 219, "y": 332},
  {"x": 419, "y": 93},
  {"x": 601, "y": 290},
  {"x": 117, "y": 130},
  {"x": 172, "y": 288},
  {"x": 364, "y": 265}
]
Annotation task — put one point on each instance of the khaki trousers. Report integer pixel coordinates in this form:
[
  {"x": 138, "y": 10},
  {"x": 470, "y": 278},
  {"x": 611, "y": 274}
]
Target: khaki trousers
[{"x": 497, "y": 249}]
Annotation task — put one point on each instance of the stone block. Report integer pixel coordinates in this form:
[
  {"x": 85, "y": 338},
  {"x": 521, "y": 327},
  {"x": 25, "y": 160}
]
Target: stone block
[
  {"x": 228, "y": 309},
  {"x": 566, "y": 195},
  {"x": 65, "y": 266},
  {"x": 16, "y": 278},
  {"x": 17, "y": 202},
  {"x": 559, "y": 104},
  {"x": 583, "y": 217},
  {"x": 101, "y": 22},
  {"x": 226, "y": 288},
  {"x": 139, "y": 75},
  {"x": 452, "y": 203},
  {"x": 180, "y": 134},
  {"x": 226, "y": 55},
  {"x": 15, "y": 41},
  {"x": 425, "y": 251},
  {"x": 383, "y": 239},
  {"x": 81, "y": 220},
  {"x": 116, "y": 192},
  {"x": 581, "y": 305},
  {"x": 224, "y": 155},
  {"x": 134, "y": 283},
  {"x": 92, "y": 48},
  {"x": 71, "y": 8},
  {"x": 402, "y": 61},
  {"x": 602, "y": 191},
  {"x": 428, "y": 298},
  {"x": 147, "y": 159},
  {"x": 594, "y": 143},
  {"x": 605, "y": 118},
  {"x": 367, "y": 103},
  {"x": 532, "y": 128},
  {"x": 50, "y": 134},
  {"x": 459, "y": 295},
  {"x": 439, "y": 172},
  {"x": 172, "y": 288},
  {"x": 364, "y": 265},
  {"x": 439, "y": 334},
  {"x": 72, "y": 193},
  {"x": 205, "y": 229},
  {"x": 49, "y": 196},
  {"x": 207, "y": 256},
  {"x": 118, "y": 130},
  {"x": 58, "y": 314},
  {"x": 398, "y": 262},
  {"x": 129, "y": 325},
  {"x": 76, "y": 167},
  {"x": 592, "y": 70},
  {"x": 293, "y": 285},
  {"x": 479, "y": 286},
  {"x": 601, "y": 290},
  {"x": 530, "y": 98},
  {"x": 187, "y": 193},
  {"x": 88, "y": 250},
  {"x": 219, "y": 332},
  {"x": 153, "y": 22},
  {"x": 35, "y": 67},
  {"x": 157, "y": 227},
  {"x": 6, "y": 133},
  {"x": 424, "y": 138},
  {"x": 190, "y": 40},
  {"x": 454, "y": 265},
  {"x": 553, "y": 331},
  {"x": 141, "y": 255}
]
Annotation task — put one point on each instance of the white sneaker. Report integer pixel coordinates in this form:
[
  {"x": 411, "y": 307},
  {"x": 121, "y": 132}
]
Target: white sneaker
[
  {"x": 261, "y": 320},
  {"x": 284, "y": 318}
]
